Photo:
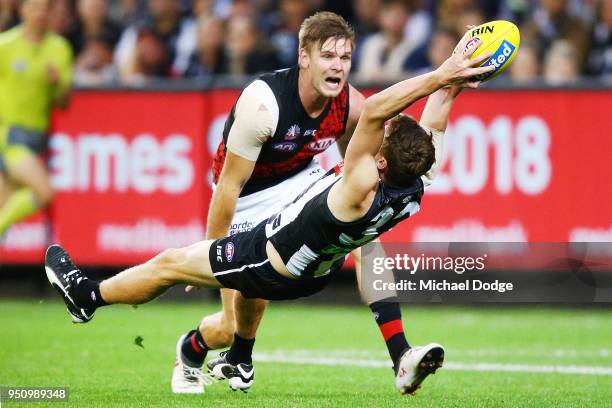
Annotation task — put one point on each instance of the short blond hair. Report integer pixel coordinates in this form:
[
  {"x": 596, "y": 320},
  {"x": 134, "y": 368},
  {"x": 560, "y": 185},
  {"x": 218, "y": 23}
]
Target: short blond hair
[{"x": 322, "y": 26}]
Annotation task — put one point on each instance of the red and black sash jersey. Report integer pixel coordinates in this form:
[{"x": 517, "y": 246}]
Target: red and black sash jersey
[{"x": 298, "y": 137}]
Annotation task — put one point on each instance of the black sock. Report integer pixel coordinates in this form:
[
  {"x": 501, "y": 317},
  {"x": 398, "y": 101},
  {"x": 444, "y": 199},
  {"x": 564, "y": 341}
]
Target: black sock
[
  {"x": 389, "y": 319},
  {"x": 87, "y": 295},
  {"x": 194, "y": 349},
  {"x": 241, "y": 350}
]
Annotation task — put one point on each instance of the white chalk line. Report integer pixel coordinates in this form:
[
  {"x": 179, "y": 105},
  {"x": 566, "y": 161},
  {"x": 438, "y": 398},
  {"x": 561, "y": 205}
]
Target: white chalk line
[{"x": 302, "y": 357}]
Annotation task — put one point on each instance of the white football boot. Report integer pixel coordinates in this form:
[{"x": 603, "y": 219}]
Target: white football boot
[
  {"x": 186, "y": 379},
  {"x": 415, "y": 365}
]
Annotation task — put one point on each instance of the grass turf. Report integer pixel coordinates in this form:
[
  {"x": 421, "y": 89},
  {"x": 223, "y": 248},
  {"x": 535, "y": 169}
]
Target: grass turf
[{"x": 102, "y": 366}]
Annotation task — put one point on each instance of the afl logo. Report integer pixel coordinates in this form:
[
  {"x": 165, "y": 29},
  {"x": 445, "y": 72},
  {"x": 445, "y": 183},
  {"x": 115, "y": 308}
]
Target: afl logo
[
  {"x": 229, "y": 251},
  {"x": 473, "y": 42},
  {"x": 292, "y": 133},
  {"x": 321, "y": 144}
]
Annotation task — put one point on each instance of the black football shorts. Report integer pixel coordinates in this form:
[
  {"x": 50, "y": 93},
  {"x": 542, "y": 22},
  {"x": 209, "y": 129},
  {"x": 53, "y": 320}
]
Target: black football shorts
[{"x": 240, "y": 262}]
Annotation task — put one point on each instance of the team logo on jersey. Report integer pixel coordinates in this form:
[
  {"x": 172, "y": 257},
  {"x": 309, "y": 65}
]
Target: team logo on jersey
[
  {"x": 285, "y": 146},
  {"x": 229, "y": 251},
  {"x": 292, "y": 133},
  {"x": 338, "y": 168},
  {"x": 321, "y": 144},
  {"x": 310, "y": 132}
]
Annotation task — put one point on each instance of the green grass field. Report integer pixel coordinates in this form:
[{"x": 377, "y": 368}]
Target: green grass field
[{"x": 315, "y": 356}]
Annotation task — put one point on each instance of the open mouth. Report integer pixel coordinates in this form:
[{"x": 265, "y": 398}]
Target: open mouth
[{"x": 332, "y": 81}]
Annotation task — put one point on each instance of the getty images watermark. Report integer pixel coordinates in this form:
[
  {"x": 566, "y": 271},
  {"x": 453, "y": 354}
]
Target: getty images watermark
[{"x": 488, "y": 272}]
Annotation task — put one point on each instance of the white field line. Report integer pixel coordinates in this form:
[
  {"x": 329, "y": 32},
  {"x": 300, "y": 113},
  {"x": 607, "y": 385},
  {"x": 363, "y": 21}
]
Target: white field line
[
  {"x": 300, "y": 357},
  {"x": 463, "y": 353}
]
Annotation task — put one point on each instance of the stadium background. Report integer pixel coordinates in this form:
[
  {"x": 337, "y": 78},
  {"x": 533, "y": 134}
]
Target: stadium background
[
  {"x": 527, "y": 159},
  {"x": 131, "y": 156}
]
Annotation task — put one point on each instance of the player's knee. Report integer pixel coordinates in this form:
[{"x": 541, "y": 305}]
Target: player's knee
[{"x": 164, "y": 265}]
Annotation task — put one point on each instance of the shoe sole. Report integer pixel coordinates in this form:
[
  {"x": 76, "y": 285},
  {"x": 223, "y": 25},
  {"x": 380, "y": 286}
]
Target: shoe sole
[
  {"x": 430, "y": 362},
  {"x": 55, "y": 282}
]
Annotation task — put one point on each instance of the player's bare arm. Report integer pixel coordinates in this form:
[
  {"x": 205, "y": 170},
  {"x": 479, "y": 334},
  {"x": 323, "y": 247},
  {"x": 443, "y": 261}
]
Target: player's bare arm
[
  {"x": 360, "y": 167},
  {"x": 236, "y": 172}
]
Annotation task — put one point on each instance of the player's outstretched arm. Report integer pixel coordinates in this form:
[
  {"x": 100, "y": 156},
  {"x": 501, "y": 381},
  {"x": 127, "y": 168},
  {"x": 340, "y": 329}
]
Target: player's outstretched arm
[
  {"x": 435, "y": 120},
  {"x": 360, "y": 172}
]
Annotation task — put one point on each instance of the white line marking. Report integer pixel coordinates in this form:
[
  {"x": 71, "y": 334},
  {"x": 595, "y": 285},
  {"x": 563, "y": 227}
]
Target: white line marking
[{"x": 300, "y": 358}]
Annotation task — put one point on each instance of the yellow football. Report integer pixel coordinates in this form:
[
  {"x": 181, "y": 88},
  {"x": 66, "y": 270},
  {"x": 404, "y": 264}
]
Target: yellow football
[{"x": 500, "y": 37}]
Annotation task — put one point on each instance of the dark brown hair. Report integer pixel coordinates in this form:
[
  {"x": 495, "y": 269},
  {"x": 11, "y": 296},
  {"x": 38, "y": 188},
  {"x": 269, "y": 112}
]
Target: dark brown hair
[
  {"x": 323, "y": 25},
  {"x": 409, "y": 151}
]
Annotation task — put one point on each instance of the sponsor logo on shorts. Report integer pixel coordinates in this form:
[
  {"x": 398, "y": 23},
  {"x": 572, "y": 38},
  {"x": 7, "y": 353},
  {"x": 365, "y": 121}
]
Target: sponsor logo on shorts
[
  {"x": 219, "y": 257},
  {"x": 285, "y": 146},
  {"x": 229, "y": 251},
  {"x": 292, "y": 133},
  {"x": 321, "y": 144}
]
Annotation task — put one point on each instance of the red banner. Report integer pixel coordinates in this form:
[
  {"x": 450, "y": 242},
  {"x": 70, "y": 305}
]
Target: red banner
[{"x": 132, "y": 173}]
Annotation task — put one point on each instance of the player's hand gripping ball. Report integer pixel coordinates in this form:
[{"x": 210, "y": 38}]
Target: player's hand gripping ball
[{"x": 502, "y": 38}]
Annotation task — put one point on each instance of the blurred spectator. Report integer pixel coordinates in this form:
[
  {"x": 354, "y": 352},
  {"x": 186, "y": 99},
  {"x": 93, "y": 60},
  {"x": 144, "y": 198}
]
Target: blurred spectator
[
  {"x": 149, "y": 60},
  {"x": 209, "y": 58},
  {"x": 364, "y": 23},
  {"x": 94, "y": 22},
  {"x": 449, "y": 12},
  {"x": 431, "y": 55},
  {"x": 246, "y": 52},
  {"x": 202, "y": 7},
  {"x": 526, "y": 65},
  {"x": 419, "y": 25},
  {"x": 241, "y": 8},
  {"x": 127, "y": 12},
  {"x": 165, "y": 23},
  {"x": 471, "y": 17},
  {"x": 561, "y": 63},
  {"x": 284, "y": 27},
  {"x": 551, "y": 21},
  {"x": 9, "y": 17},
  {"x": 94, "y": 66},
  {"x": 63, "y": 21},
  {"x": 517, "y": 11},
  {"x": 600, "y": 57},
  {"x": 366, "y": 18},
  {"x": 383, "y": 54}
]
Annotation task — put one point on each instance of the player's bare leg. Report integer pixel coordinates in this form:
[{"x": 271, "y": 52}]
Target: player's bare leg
[
  {"x": 133, "y": 286},
  {"x": 145, "y": 282},
  {"x": 136, "y": 285},
  {"x": 218, "y": 329},
  {"x": 236, "y": 364}
]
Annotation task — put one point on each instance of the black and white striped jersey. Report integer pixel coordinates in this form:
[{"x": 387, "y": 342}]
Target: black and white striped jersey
[{"x": 312, "y": 242}]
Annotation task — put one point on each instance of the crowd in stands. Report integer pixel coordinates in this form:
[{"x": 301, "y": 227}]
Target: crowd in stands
[{"x": 134, "y": 41}]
